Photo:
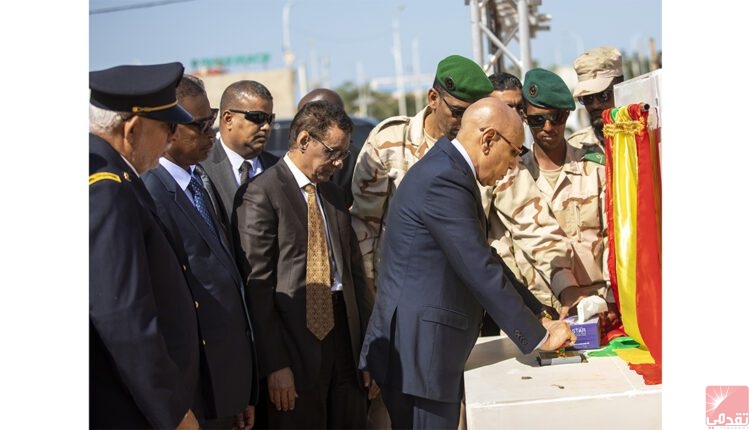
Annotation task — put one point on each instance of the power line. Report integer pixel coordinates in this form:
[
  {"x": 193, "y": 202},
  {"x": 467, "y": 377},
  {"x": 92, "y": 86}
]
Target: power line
[{"x": 135, "y": 6}]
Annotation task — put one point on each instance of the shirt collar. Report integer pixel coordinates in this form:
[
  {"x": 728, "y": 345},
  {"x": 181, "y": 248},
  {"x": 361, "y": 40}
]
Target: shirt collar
[
  {"x": 236, "y": 159},
  {"x": 180, "y": 175},
  {"x": 299, "y": 177},
  {"x": 464, "y": 154}
]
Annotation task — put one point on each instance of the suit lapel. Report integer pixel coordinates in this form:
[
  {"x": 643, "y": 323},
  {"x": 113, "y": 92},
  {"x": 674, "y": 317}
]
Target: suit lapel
[
  {"x": 223, "y": 176},
  {"x": 292, "y": 193},
  {"x": 187, "y": 208}
]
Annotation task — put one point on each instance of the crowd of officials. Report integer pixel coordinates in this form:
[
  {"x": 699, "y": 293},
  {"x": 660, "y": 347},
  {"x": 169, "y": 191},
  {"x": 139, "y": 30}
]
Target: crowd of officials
[{"x": 232, "y": 289}]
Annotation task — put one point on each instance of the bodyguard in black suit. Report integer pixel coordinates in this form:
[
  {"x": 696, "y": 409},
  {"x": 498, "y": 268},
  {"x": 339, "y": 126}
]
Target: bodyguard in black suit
[
  {"x": 143, "y": 333},
  {"x": 308, "y": 298},
  {"x": 438, "y": 273},
  {"x": 245, "y": 118},
  {"x": 213, "y": 278}
]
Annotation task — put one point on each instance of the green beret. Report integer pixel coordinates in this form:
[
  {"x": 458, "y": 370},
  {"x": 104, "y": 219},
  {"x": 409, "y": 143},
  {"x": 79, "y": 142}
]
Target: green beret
[
  {"x": 463, "y": 78},
  {"x": 545, "y": 89}
]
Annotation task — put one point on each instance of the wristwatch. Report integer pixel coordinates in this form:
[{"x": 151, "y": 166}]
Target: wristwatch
[{"x": 544, "y": 314}]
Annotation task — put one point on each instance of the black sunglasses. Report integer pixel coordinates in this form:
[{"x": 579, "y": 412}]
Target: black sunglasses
[
  {"x": 457, "y": 112},
  {"x": 256, "y": 116},
  {"x": 537, "y": 121},
  {"x": 603, "y": 97},
  {"x": 204, "y": 125}
]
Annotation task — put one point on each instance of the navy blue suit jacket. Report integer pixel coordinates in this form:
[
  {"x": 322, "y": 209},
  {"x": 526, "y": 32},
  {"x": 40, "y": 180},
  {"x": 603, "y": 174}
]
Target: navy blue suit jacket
[
  {"x": 437, "y": 273},
  {"x": 143, "y": 334},
  {"x": 216, "y": 284}
]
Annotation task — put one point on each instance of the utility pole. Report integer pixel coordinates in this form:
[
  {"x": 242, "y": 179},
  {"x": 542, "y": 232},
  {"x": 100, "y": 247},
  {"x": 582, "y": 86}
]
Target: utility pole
[
  {"x": 399, "y": 64},
  {"x": 418, "y": 98}
]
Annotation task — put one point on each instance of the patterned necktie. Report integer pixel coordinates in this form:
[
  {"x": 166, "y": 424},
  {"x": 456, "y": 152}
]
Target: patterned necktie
[
  {"x": 244, "y": 171},
  {"x": 319, "y": 304},
  {"x": 199, "y": 200}
]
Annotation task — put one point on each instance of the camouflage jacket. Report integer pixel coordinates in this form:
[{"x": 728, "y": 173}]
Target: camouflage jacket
[
  {"x": 577, "y": 202},
  {"x": 392, "y": 147},
  {"x": 583, "y": 138},
  {"x": 524, "y": 232}
]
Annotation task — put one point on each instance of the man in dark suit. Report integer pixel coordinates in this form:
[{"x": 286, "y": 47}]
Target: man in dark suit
[
  {"x": 245, "y": 118},
  {"x": 308, "y": 299},
  {"x": 341, "y": 177},
  {"x": 143, "y": 334},
  {"x": 438, "y": 272},
  {"x": 214, "y": 280}
]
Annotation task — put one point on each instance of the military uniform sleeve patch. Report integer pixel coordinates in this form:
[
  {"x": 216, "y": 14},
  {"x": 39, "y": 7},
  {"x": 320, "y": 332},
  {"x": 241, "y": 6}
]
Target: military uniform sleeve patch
[
  {"x": 596, "y": 157},
  {"x": 101, "y": 176}
]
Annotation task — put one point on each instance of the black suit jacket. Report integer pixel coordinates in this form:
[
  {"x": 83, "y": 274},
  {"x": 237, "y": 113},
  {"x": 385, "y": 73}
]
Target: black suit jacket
[
  {"x": 143, "y": 334},
  {"x": 436, "y": 274},
  {"x": 271, "y": 223},
  {"x": 218, "y": 290},
  {"x": 220, "y": 181}
]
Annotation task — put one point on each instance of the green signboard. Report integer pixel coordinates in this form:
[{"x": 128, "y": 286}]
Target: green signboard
[{"x": 234, "y": 60}]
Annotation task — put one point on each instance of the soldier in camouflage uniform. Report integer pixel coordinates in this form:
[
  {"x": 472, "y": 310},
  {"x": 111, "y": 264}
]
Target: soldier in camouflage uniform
[
  {"x": 395, "y": 144},
  {"x": 554, "y": 179},
  {"x": 598, "y": 70}
]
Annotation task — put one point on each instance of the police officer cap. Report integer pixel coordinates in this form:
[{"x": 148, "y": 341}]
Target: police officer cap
[
  {"x": 146, "y": 90},
  {"x": 545, "y": 89},
  {"x": 463, "y": 78}
]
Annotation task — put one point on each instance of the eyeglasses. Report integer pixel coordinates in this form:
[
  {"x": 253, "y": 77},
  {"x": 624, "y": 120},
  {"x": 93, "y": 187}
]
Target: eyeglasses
[
  {"x": 603, "y": 97},
  {"x": 256, "y": 116},
  {"x": 333, "y": 154},
  {"x": 514, "y": 151},
  {"x": 538, "y": 121},
  {"x": 204, "y": 125},
  {"x": 457, "y": 112}
]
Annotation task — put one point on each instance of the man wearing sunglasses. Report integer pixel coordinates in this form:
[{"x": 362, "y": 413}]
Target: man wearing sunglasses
[
  {"x": 238, "y": 154},
  {"x": 571, "y": 181},
  {"x": 307, "y": 296},
  {"x": 184, "y": 208},
  {"x": 142, "y": 374},
  {"x": 397, "y": 143},
  {"x": 598, "y": 71}
]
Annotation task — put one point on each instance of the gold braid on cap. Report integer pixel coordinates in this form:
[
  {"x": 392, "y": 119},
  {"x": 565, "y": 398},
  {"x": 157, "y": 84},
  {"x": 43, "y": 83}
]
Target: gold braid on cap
[{"x": 137, "y": 109}]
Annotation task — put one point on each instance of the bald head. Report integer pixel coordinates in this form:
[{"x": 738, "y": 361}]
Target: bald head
[
  {"x": 492, "y": 134},
  {"x": 321, "y": 94},
  {"x": 490, "y": 112}
]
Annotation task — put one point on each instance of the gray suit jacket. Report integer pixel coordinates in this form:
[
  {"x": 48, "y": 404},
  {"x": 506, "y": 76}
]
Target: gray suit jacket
[
  {"x": 220, "y": 181},
  {"x": 216, "y": 284},
  {"x": 436, "y": 275}
]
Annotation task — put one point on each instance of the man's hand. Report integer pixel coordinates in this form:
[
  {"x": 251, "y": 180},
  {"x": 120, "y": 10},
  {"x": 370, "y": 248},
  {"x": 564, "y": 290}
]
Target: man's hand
[
  {"x": 370, "y": 384},
  {"x": 189, "y": 422},
  {"x": 560, "y": 335},
  {"x": 281, "y": 389},
  {"x": 570, "y": 297},
  {"x": 245, "y": 420}
]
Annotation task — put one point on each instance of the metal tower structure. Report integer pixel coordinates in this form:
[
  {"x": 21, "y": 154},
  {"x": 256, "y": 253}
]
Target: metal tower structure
[{"x": 497, "y": 23}]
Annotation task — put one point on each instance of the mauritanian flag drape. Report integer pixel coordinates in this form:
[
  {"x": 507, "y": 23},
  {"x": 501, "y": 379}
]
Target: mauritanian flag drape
[{"x": 634, "y": 222}]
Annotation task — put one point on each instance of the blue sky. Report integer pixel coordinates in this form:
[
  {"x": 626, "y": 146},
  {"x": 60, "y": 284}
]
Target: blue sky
[{"x": 347, "y": 35}]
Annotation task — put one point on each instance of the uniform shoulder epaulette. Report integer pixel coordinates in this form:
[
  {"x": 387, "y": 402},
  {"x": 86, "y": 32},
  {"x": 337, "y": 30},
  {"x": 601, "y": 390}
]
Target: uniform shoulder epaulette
[
  {"x": 101, "y": 176},
  {"x": 595, "y": 156},
  {"x": 391, "y": 121}
]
